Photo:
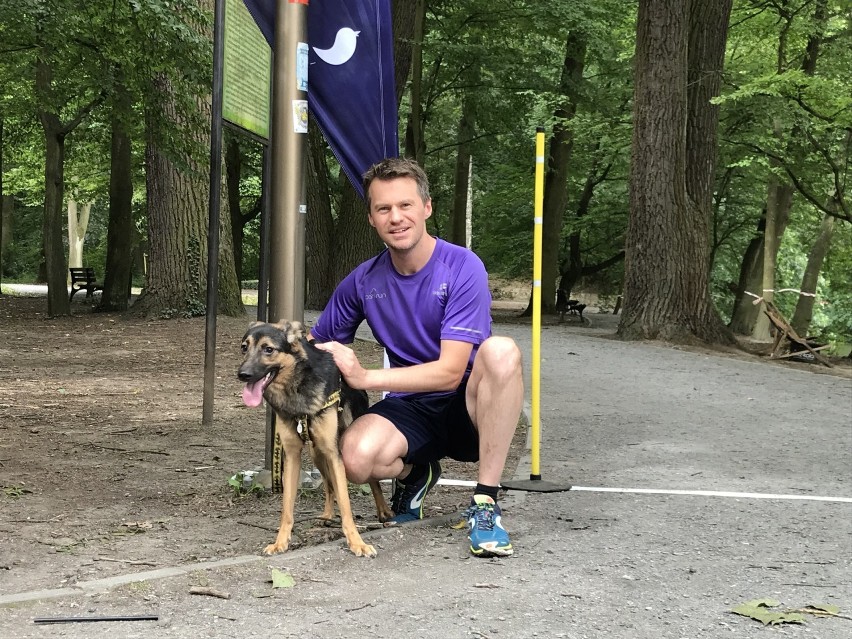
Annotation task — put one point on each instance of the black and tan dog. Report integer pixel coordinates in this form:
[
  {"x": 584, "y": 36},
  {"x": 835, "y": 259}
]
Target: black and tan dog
[{"x": 313, "y": 405}]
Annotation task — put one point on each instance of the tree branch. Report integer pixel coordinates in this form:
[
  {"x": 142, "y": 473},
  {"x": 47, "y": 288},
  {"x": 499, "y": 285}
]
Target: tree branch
[{"x": 82, "y": 113}]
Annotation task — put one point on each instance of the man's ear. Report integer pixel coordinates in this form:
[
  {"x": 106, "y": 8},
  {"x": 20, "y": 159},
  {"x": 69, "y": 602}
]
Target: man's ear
[{"x": 428, "y": 207}]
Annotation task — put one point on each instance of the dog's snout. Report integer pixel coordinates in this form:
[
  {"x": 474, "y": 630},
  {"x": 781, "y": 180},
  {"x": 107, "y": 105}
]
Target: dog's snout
[{"x": 243, "y": 375}]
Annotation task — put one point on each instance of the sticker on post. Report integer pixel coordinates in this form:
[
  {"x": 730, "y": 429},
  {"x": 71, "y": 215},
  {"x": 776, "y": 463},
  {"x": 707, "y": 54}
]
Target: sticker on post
[
  {"x": 300, "y": 116},
  {"x": 302, "y": 66}
]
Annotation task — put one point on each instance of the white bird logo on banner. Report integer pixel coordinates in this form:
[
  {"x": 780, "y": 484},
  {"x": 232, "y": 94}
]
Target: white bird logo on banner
[{"x": 343, "y": 48}]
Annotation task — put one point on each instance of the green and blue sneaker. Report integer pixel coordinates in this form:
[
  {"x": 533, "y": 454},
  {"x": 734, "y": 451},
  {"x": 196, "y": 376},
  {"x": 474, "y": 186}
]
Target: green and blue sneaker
[
  {"x": 485, "y": 529},
  {"x": 407, "y": 499}
]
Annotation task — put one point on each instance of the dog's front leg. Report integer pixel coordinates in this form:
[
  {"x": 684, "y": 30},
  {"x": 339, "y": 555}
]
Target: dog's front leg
[{"x": 291, "y": 444}]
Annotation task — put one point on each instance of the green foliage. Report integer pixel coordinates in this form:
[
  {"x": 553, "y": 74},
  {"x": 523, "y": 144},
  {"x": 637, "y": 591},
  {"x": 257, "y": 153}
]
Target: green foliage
[{"x": 506, "y": 56}]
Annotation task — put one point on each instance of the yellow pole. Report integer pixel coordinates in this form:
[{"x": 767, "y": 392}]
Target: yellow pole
[{"x": 536, "y": 303}]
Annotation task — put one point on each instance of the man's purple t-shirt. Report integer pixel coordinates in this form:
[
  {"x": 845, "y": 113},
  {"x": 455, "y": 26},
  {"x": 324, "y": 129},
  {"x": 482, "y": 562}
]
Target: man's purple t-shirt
[{"x": 409, "y": 315}]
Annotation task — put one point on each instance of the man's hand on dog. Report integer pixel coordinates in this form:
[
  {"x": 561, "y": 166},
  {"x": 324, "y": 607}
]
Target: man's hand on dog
[{"x": 347, "y": 361}]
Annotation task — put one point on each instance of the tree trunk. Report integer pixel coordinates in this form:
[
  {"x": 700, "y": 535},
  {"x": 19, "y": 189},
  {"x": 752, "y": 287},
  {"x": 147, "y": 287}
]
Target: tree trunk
[
  {"x": 177, "y": 233},
  {"x": 120, "y": 229},
  {"x": 7, "y": 220},
  {"x": 571, "y": 271},
  {"x": 667, "y": 292},
  {"x": 708, "y": 34},
  {"x": 354, "y": 239},
  {"x": 779, "y": 199},
  {"x": 319, "y": 224},
  {"x": 466, "y": 131},
  {"x": 78, "y": 223},
  {"x": 805, "y": 307},
  {"x": 415, "y": 147},
  {"x": 558, "y": 169},
  {"x": 233, "y": 169},
  {"x": 745, "y": 312},
  {"x": 56, "y": 266},
  {"x": 405, "y": 16}
]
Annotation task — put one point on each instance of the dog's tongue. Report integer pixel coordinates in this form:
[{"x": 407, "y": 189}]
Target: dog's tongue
[{"x": 253, "y": 393}]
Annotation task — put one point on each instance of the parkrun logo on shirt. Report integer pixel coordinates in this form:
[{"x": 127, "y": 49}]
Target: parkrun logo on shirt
[
  {"x": 441, "y": 291},
  {"x": 375, "y": 295}
]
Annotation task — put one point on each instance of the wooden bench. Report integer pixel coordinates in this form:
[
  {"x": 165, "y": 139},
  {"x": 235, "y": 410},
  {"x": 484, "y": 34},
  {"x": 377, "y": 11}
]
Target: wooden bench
[
  {"x": 83, "y": 279},
  {"x": 800, "y": 348},
  {"x": 565, "y": 306}
]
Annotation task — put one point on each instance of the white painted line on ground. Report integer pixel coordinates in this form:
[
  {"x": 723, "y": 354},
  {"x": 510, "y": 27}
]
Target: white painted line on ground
[
  {"x": 660, "y": 491},
  {"x": 710, "y": 493}
]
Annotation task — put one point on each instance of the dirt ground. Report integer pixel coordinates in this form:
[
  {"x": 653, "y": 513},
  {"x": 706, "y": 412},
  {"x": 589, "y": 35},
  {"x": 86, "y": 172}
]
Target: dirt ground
[{"x": 105, "y": 467}]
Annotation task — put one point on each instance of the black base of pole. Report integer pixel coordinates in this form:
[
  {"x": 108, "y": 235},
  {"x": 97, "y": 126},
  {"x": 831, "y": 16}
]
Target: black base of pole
[{"x": 535, "y": 485}]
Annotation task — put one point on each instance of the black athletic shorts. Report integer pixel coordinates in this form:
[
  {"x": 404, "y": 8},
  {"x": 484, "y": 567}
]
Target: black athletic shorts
[{"x": 435, "y": 427}]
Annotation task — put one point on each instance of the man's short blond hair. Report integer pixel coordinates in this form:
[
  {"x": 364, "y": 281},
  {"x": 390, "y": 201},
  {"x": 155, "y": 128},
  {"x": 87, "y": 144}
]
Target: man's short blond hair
[{"x": 393, "y": 168}]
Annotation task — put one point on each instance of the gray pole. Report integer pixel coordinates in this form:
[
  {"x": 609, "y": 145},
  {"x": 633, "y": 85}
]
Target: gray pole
[
  {"x": 286, "y": 177},
  {"x": 1, "y": 206},
  {"x": 213, "y": 215},
  {"x": 263, "y": 265},
  {"x": 286, "y": 292}
]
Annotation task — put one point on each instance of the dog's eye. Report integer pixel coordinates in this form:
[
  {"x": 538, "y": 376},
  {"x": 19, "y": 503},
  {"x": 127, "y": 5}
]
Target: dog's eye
[
  {"x": 268, "y": 350},
  {"x": 244, "y": 347}
]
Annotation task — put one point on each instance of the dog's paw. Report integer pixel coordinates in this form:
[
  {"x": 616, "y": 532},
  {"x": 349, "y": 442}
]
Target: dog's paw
[
  {"x": 271, "y": 549},
  {"x": 363, "y": 550}
]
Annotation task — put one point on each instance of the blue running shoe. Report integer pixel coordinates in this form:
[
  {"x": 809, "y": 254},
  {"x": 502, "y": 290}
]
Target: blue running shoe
[
  {"x": 485, "y": 530},
  {"x": 407, "y": 500}
]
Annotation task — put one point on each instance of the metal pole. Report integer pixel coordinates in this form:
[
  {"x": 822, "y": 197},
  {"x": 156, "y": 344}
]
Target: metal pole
[
  {"x": 289, "y": 105},
  {"x": 263, "y": 266},
  {"x": 213, "y": 214},
  {"x": 535, "y": 483},
  {"x": 535, "y": 431},
  {"x": 1, "y": 206}
]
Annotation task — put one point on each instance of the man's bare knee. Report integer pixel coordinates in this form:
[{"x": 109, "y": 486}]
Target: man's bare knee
[
  {"x": 501, "y": 356},
  {"x": 357, "y": 460}
]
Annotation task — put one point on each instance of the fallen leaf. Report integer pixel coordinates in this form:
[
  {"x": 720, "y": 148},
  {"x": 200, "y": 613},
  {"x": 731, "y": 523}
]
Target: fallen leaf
[
  {"x": 281, "y": 579},
  {"x": 759, "y": 610}
]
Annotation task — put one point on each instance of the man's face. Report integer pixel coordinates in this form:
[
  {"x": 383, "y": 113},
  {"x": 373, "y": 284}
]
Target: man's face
[{"x": 397, "y": 212}]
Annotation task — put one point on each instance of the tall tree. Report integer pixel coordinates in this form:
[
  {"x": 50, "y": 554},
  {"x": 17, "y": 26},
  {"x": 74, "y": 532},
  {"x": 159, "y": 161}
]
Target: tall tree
[
  {"x": 119, "y": 257},
  {"x": 558, "y": 166},
  {"x": 177, "y": 196},
  {"x": 56, "y": 130},
  {"x": 177, "y": 183},
  {"x": 461, "y": 178},
  {"x": 805, "y": 306},
  {"x": 666, "y": 293},
  {"x": 798, "y": 107}
]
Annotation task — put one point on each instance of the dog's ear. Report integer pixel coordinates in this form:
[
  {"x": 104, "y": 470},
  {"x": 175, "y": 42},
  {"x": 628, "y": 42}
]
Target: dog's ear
[{"x": 294, "y": 331}]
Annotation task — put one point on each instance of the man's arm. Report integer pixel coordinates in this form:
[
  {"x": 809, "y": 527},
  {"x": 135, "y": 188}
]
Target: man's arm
[{"x": 444, "y": 374}]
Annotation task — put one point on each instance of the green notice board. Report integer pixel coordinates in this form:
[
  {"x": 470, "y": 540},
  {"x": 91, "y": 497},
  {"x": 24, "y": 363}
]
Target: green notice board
[{"x": 246, "y": 72}]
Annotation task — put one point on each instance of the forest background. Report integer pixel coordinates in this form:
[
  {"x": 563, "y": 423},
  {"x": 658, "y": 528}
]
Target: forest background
[{"x": 698, "y": 155}]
